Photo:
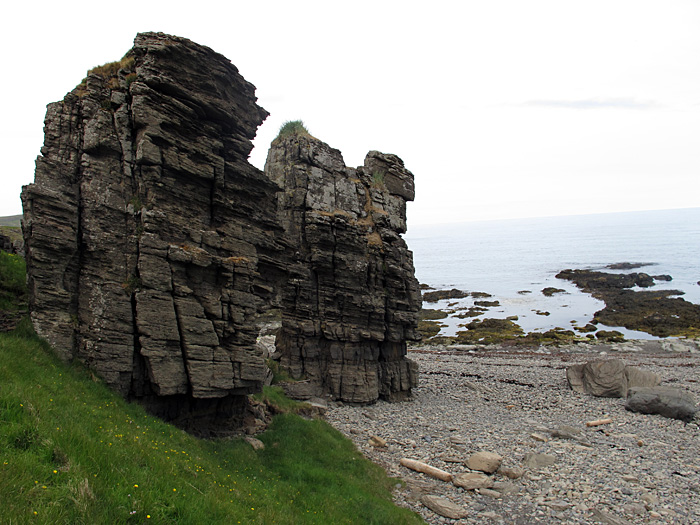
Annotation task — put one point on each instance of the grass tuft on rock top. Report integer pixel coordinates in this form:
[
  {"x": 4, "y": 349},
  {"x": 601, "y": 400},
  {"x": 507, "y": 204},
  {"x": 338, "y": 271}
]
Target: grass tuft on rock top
[
  {"x": 292, "y": 127},
  {"x": 75, "y": 452}
]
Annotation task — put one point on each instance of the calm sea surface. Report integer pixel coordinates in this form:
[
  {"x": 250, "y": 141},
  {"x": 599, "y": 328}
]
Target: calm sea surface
[{"x": 510, "y": 256}]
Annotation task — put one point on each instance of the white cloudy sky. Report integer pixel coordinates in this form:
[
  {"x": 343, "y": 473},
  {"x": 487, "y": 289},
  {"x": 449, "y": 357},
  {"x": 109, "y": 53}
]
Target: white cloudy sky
[{"x": 501, "y": 108}]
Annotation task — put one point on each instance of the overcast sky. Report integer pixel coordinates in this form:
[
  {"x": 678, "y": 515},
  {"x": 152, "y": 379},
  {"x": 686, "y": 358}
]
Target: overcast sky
[{"x": 500, "y": 108}]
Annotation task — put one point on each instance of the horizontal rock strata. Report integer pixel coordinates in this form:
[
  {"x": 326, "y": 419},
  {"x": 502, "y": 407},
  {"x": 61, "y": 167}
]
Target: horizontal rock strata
[
  {"x": 153, "y": 246},
  {"x": 352, "y": 300},
  {"x": 149, "y": 237}
]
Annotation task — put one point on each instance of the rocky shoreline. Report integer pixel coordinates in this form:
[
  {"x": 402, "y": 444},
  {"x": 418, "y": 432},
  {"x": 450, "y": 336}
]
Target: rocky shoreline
[
  {"x": 629, "y": 304},
  {"x": 516, "y": 403}
]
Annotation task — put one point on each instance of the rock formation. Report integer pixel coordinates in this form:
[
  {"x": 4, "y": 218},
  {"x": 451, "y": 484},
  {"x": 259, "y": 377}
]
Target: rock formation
[
  {"x": 667, "y": 401},
  {"x": 153, "y": 246},
  {"x": 608, "y": 378},
  {"x": 6, "y": 244},
  {"x": 351, "y": 301},
  {"x": 656, "y": 312}
]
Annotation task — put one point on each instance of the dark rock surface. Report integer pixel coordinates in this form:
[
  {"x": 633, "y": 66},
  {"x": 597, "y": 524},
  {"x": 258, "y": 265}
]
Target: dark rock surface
[
  {"x": 589, "y": 279},
  {"x": 153, "y": 246},
  {"x": 439, "y": 295},
  {"x": 663, "y": 400},
  {"x": 549, "y": 291},
  {"x": 149, "y": 236},
  {"x": 655, "y": 312},
  {"x": 6, "y": 244},
  {"x": 352, "y": 300},
  {"x": 628, "y": 265}
]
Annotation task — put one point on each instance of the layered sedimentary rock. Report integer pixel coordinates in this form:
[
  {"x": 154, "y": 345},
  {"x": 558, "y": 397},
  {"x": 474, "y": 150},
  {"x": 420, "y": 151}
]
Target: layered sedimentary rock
[
  {"x": 153, "y": 246},
  {"x": 151, "y": 241},
  {"x": 351, "y": 300}
]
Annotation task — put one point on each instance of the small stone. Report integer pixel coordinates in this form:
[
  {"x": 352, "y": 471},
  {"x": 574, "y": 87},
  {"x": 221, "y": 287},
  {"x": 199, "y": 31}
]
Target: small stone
[
  {"x": 444, "y": 507},
  {"x": 484, "y": 461},
  {"x": 490, "y": 493},
  {"x": 634, "y": 509},
  {"x": 255, "y": 443},
  {"x": 505, "y": 487},
  {"x": 650, "y": 499},
  {"x": 377, "y": 442},
  {"x": 450, "y": 459},
  {"x": 535, "y": 461},
  {"x": 511, "y": 473},
  {"x": 472, "y": 481},
  {"x": 558, "y": 505},
  {"x": 370, "y": 414},
  {"x": 538, "y": 437},
  {"x": 608, "y": 519}
]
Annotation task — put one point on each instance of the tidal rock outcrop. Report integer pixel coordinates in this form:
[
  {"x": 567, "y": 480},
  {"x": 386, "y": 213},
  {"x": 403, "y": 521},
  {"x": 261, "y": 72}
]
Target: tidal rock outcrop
[
  {"x": 657, "y": 312},
  {"x": 153, "y": 246},
  {"x": 351, "y": 301}
]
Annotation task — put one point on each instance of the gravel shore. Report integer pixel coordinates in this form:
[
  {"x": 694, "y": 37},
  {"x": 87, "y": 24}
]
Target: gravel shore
[{"x": 516, "y": 403}]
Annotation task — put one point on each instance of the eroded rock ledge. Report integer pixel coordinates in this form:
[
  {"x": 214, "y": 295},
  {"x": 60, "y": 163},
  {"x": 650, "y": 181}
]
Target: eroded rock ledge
[{"x": 153, "y": 245}]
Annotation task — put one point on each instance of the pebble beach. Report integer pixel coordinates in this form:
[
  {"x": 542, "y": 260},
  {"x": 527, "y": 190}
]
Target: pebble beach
[{"x": 516, "y": 403}]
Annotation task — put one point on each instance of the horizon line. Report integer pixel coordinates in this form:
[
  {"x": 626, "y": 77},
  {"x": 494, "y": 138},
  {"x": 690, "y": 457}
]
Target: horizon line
[{"x": 471, "y": 221}]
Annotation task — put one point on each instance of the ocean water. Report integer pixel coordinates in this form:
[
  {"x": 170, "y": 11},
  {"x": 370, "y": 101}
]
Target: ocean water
[{"x": 510, "y": 256}]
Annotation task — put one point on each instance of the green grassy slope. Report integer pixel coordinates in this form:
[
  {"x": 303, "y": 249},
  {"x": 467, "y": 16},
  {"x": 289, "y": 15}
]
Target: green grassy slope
[{"x": 73, "y": 452}]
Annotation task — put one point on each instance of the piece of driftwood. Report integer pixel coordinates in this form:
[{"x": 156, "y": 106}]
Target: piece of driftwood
[
  {"x": 433, "y": 472},
  {"x": 598, "y": 422}
]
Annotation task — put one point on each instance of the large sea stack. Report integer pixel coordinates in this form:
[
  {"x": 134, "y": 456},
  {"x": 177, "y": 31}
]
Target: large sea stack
[
  {"x": 351, "y": 300},
  {"x": 153, "y": 246}
]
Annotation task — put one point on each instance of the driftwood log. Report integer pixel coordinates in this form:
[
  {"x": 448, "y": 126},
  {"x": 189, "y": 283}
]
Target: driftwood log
[
  {"x": 424, "y": 468},
  {"x": 599, "y": 422}
]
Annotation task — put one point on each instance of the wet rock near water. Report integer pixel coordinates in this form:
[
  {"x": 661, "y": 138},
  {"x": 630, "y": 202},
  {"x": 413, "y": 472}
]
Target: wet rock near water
[
  {"x": 550, "y": 291},
  {"x": 656, "y": 312},
  {"x": 440, "y": 295},
  {"x": 628, "y": 265},
  {"x": 485, "y": 331},
  {"x": 516, "y": 403},
  {"x": 590, "y": 280}
]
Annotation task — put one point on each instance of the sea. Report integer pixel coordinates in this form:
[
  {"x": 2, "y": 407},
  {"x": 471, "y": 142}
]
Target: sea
[{"x": 514, "y": 259}]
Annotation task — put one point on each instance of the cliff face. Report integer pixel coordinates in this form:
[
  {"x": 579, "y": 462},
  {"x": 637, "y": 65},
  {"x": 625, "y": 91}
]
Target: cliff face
[
  {"x": 153, "y": 246},
  {"x": 351, "y": 300}
]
